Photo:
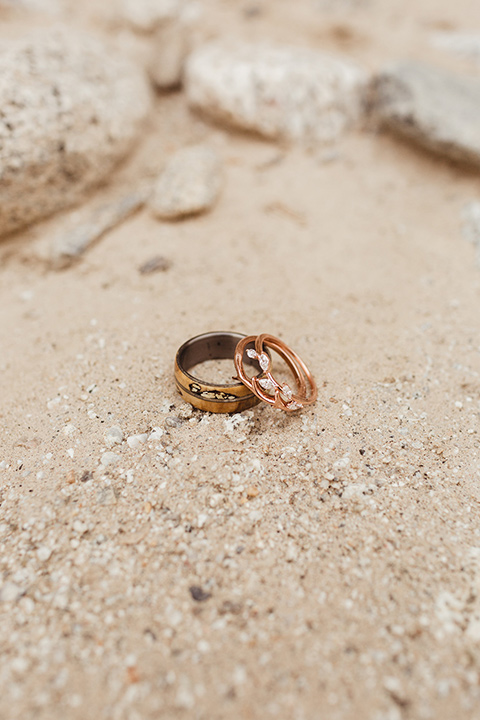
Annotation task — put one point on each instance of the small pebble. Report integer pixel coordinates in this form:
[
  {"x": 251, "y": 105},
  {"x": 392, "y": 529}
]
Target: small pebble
[
  {"x": 109, "y": 459},
  {"x": 44, "y": 553},
  {"x": 136, "y": 441},
  {"x": 198, "y": 594},
  {"x": 190, "y": 183},
  {"x": 106, "y": 496},
  {"x": 113, "y": 436},
  {"x": 173, "y": 422},
  {"x": 158, "y": 263},
  {"x": 10, "y": 592}
]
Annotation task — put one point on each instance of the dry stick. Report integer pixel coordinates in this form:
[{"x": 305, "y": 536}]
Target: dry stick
[{"x": 70, "y": 245}]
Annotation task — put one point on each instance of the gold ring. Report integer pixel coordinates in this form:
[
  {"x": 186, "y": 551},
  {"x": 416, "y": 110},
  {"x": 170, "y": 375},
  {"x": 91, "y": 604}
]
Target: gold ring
[{"x": 213, "y": 397}]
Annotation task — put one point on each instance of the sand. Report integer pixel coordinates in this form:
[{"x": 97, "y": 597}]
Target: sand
[{"x": 320, "y": 564}]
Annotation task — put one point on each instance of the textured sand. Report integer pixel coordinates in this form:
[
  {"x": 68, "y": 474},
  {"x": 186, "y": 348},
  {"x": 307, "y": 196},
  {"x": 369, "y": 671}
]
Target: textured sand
[{"x": 318, "y": 565}]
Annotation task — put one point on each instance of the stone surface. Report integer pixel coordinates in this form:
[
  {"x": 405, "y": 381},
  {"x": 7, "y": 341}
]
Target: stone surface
[
  {"x": 432, "y": 107},
  {"x": 147, "y": 15},
  {"x": 114, "y": 436},
  {"x": 463, "y": 45},
  {"x": 70, "y": 110},
  {"x": 172, "y": 43},
  {"x": 157, "y": 263},
  {"x": 471, "y": 226},
  {"x": 280, "y": 92},
  {"x": 189, "y": 184}
]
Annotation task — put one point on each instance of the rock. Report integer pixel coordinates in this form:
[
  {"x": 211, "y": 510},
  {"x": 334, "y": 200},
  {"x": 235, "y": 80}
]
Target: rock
[
  {"x": 463, "y": 45},
  {"x": 113, "y": 436},
  {"x": 157, "y": 263},
  {"x": 109, "y": 459},
  {"x": 172, "y": 44},
  {"x": 44, "y": 553},
  {"x": 147, "y": 15},
  {"x": 10, "y": 592},
  {"x": 279, "y": 92},
  {"x": 189, "y": 184},
  {"x": 432, "y": 107},
  {"x": 71, "y": 244},
  {"x": 106, "y": 496},
  {"x": 136, "y": 441},
  {"x": 70, "y": 110},
  {"x": 51, "y": 7},
  {"x": 471, "y": 226}
]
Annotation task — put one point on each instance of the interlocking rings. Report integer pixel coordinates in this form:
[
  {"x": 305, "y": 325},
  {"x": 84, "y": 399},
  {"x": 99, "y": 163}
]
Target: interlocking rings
[{"x": 266, "y": 387}]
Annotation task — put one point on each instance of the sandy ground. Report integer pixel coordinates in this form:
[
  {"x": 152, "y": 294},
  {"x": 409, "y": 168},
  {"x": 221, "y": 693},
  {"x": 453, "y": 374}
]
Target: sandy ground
[{"x": 337, "y": 550}]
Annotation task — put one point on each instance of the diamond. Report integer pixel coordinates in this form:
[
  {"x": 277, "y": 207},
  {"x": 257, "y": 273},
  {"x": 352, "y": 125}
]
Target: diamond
[
  {"x": 287, "y": 391},
  {"x": 267, "y": 384},
  {"x": 252, "y": 353},
  {"x": 264, "y": 362},
  {"x": 294, "y": 405}
]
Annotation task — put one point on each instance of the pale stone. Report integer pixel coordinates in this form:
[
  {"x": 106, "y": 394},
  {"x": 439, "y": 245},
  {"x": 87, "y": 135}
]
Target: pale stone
[
  {"x": 113, "y": 436},
  {"x": 109, "y": 459},
  {"x": 471, "y": 226},
  {"x": 464, "y": 45},
  {"x": 280, "y": 92},
  {"x": 10, "y": 592},
  {"x": 70, "y": 110},
  {"x": 136, "y": 441},
  {"x": 147, "y": 15},
  {"x": 172, "y": 44},
  {"x": 190, "y": 183},
  {"x": 434, "y": 108}
]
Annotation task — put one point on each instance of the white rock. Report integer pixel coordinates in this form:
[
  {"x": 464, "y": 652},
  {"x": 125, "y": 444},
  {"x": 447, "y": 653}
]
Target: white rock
[
  {"x": 109, "y": 459},
  {"x": 464, "y": 45},
  {"x": 189, "y": 184},
  {"x": 156, "y": 434},
  {"x": 44, "y": 553},
  {"x": 355, "y": 491},
  {"x": 136, "y": 441},
  {"x": 431, "y": 107},
  {"x": 172, "y": 44},
  {"x": 51, "y": 7},
  {"x": 201, "y": 520},
  {"x": 148, "y": 15},
  {"x": 113, "y": 436},
  {"x": 70, "y": 110},
  {"x": 280, "y": 92},
  {"x": 471, "y": 226},
  {"x": 10, "y": 592},
  {"x": 106, "y": 496}
]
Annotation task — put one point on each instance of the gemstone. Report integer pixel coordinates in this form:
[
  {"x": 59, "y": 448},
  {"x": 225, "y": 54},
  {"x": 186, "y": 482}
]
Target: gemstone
[
  {"x": 267, "y": 384},
  {"x": 294, "y": 405},
  {"x": 252, "y": 353},
  {"x": 264, "y": 362},
  {"x": 287, "y": 391}
]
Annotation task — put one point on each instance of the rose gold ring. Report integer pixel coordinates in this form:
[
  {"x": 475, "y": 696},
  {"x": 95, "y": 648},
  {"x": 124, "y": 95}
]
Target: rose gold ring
[{"x": 266, "y": 387}]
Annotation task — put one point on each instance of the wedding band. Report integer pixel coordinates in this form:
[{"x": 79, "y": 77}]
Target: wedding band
[
  {"x": 214, "y": 397},
  {"x": 266, "y": 387}
]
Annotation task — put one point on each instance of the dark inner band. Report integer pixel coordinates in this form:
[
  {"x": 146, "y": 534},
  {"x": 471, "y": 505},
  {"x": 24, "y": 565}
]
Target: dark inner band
[{"x": 212, "y": 346}]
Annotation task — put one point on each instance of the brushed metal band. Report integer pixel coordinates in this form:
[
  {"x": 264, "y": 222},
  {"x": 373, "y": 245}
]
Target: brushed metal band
[{"x": 213, "y": 397}]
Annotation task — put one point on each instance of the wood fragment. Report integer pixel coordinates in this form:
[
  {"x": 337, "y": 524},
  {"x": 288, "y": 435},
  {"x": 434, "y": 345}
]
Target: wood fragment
[{"x": 70, "y": 245}]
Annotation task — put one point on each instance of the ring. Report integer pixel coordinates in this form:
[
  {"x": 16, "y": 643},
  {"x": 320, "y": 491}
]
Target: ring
[
  {"x": 213, "y": 397},
  {"x": 267, "y": 388}
]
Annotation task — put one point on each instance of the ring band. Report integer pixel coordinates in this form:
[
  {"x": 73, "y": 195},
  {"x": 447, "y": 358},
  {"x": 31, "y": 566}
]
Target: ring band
[
  {"x": 267, "y": 388},
  {"x": 213, "y": 397}
]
